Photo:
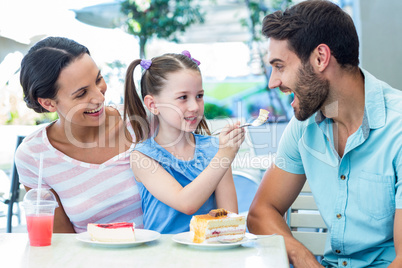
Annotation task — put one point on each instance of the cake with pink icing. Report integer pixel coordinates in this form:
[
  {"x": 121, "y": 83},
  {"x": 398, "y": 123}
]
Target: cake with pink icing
[{"x": 112, "y": 232}]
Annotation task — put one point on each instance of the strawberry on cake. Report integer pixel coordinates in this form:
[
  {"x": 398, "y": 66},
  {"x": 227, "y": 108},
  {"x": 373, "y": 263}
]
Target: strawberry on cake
[
  {"x": 112, "y": 232},
  {"x": 217, "y": 225}
]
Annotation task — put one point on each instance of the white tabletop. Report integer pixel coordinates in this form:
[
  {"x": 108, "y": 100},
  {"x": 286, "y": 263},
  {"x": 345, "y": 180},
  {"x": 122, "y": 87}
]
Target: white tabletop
[{"x": 67, "y": 251}]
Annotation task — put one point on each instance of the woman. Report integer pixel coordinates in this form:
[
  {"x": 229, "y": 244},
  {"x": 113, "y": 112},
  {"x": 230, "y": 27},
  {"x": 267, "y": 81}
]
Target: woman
[{"x": 86, "y": 151}]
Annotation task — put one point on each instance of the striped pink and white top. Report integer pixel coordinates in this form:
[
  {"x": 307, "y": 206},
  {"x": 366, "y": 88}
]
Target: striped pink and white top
[{"x": 90, "y": 193}]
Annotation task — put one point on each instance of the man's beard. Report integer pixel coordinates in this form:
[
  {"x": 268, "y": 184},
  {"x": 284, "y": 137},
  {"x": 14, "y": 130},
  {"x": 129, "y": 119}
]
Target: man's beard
[{"x": 311, "y": 90}]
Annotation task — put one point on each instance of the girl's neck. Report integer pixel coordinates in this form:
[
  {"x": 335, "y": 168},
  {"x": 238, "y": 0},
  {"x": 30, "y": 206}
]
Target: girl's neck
[{"x": 181, "y": 145}]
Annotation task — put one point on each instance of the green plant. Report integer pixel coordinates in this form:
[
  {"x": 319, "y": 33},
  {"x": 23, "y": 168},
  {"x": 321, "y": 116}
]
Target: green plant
[
  {"x": 46, "y": 118},
  {"x": 212, "y": 111},
  {"x": 160, "y": 18}
]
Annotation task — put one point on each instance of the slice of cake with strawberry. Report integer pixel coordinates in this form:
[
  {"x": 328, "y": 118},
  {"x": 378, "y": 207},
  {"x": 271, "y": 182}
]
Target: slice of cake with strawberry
[{"x": 112, "y": 232}]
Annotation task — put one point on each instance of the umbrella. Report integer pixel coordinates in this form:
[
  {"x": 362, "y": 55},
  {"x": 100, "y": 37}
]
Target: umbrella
[{"x": 222, "y": 21}]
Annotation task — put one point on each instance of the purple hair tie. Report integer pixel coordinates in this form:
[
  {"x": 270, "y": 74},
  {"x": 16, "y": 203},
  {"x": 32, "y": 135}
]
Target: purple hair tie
[
  {"x": 186, "y": 53},
  {"x": 146, "y": 64}
]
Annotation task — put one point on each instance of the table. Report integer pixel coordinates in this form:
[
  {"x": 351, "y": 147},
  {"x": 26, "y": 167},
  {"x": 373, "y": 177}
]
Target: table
[{"x": 67, "y": 251}]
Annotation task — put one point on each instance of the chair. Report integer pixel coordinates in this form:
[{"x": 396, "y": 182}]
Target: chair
[
  {"x": 306, "y": 223},
  {"x": 264, "y": 140},
  {"x": 16, "y": 193},
  {"x": 246, "y": 186}
]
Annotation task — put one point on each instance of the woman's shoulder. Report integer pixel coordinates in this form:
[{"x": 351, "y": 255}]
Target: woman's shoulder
[
  {"x": 32, "y": 144},
  {"x": 35, "y": 138},
  {"x": 115, "y": 111}
]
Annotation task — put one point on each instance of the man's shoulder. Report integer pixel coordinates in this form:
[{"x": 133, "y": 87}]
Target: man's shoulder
[
  {"x": 393, "y": 99},
  {"x": 392, "y": 96}
]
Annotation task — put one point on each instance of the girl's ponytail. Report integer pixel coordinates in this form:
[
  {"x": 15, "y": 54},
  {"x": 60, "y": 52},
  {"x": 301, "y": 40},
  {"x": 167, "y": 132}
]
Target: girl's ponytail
[{"x": 133, "y": 106}]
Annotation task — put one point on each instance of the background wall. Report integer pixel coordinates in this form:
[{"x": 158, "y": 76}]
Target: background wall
[{"x": 381, "y": 39}]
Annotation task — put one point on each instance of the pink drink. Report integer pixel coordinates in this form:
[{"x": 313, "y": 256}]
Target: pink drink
[{"x": 40, "y": 229}]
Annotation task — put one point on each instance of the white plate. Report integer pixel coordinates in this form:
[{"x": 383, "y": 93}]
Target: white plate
[
  {"x": 184, "y": 238},
  {"x": 141, "y": 236}
]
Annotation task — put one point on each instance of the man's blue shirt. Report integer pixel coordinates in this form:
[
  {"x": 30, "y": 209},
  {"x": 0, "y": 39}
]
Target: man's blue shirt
[{"x": 357, "y": 194}]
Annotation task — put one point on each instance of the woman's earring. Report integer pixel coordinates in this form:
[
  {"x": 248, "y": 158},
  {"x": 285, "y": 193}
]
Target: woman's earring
[{"x": 155, "y": 111}]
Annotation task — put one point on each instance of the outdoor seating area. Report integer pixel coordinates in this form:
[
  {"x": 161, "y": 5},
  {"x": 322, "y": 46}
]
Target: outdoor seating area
[{"x": 246, "y": 134}]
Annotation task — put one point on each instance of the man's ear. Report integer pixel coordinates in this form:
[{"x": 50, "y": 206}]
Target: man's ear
[
  {"x": 149, "y": 102},
  {"x": 321, "y": 57},
  {"x": 48, "y": 104}
]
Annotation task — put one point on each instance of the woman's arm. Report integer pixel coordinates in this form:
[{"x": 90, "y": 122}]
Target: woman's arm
[{"x": 61, "y": 223}]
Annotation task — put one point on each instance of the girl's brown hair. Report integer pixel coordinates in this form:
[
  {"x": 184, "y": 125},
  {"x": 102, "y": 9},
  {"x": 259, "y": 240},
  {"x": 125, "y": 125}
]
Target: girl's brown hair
[{"x": 152, "y": 82}]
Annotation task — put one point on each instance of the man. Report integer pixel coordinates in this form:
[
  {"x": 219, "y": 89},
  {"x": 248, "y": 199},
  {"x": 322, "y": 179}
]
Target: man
[{"x": 346, "y": 141}]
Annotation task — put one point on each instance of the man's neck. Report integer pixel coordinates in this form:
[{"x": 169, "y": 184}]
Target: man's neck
[{"x": 345, "y": 104}]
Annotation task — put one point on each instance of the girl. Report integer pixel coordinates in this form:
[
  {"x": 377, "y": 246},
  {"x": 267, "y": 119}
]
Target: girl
[
  {"x": 179, "y": 172},
  {"x": 86, "y": 152}
]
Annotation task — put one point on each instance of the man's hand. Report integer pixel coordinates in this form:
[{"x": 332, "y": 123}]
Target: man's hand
[{"x": 299, "y": 255}]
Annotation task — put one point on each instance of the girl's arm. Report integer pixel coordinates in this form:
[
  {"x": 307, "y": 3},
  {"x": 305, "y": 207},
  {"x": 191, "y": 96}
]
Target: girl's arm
[
  {"x": 190, "y": 198},
  {"x": 61, "y": 223},
  {"x": 225, "y": 193}
]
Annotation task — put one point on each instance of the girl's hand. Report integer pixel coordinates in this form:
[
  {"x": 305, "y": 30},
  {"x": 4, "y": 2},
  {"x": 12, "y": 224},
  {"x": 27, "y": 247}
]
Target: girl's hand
[{"x": 230, "y": 140}]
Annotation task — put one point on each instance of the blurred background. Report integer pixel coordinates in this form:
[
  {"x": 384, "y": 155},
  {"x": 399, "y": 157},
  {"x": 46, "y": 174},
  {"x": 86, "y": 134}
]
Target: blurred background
[{"x": 225, "y": 35}]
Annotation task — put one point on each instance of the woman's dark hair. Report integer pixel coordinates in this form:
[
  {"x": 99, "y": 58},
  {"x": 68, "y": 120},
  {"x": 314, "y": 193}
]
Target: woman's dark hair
[
  {"x": 152, "y": 81},
  {"x": 41, "y": 67},
  {"x": 310, "y": 23}
]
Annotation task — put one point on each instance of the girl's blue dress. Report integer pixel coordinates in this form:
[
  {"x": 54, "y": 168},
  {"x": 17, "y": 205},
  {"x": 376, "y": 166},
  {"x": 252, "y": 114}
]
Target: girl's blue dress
[{"x": 159, "y": 216}]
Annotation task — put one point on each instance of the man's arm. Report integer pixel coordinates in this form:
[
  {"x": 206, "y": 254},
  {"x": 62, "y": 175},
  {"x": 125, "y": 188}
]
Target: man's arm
[
  {"x": 397, "y": 239},
  {"x": 276, "y": 193}
]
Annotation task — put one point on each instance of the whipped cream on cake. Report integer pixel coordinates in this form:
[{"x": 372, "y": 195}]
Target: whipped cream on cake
[
  {"x": 112, "y": 232},
  {"x": 217, "y": 225}
]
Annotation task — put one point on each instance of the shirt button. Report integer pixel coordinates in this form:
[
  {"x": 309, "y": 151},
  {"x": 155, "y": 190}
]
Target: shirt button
[
  {"x": 343, "y": 177},
  {"x": 338, "y": 251},
  {"x": 344, "y": 263},
  {"x": 339, "y": 215}
]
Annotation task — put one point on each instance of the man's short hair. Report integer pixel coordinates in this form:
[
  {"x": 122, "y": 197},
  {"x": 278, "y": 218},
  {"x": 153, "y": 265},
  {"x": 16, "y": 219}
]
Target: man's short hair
[{"x": 310, "y": 23}]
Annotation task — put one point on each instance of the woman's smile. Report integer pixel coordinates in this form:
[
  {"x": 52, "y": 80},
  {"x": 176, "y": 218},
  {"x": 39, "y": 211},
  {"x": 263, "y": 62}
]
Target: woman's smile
[{"x": 95, "y": 112}]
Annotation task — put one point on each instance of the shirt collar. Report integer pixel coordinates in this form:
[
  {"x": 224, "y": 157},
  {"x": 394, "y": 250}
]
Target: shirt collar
[
  {"x": 319, "y": 117},
  {"x": 374, "y": 107},
  {"x": 374, "y": 100}
]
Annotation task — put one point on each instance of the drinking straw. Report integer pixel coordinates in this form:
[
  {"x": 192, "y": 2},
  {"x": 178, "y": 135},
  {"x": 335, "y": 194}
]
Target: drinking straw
[{"x": 39, "y": 183}]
